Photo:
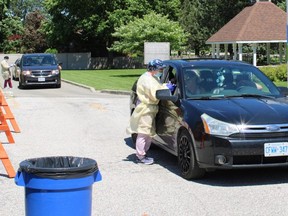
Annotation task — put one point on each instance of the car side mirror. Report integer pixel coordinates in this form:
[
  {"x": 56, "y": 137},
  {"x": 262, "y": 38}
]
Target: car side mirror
[
  {"x": 165, "y": 94},
  {"x": 18, "y": 64},
  {"x": 283, "y": 90}
]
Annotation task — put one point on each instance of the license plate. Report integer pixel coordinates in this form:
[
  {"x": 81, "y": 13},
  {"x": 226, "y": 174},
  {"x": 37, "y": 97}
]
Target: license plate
[
  {"x": 275, "y": 149},
  {"x": 41, "y": 79}
]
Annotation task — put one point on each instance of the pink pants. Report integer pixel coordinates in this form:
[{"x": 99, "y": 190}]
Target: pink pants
[
  {"x": 143, "y": 143},
  {"x": 8, "y": 81}
]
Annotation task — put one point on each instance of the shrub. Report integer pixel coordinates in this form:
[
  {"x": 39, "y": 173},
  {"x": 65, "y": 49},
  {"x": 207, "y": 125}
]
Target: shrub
[
  {"x": 51, "y": 50},
  {"x": 275, "y": 73}
]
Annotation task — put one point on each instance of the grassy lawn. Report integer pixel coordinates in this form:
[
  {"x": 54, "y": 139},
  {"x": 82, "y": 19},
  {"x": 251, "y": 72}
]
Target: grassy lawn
[
  {"x": 281, "y": 83},
  {"x": 104, "y": 79},
  {"x": 120, "y": 79}
]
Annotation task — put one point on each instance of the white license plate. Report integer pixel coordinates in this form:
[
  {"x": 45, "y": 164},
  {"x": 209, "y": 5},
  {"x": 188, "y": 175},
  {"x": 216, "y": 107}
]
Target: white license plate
[
  {"x": 275, "y": 149},
  {"x": 41, "y": 79}
]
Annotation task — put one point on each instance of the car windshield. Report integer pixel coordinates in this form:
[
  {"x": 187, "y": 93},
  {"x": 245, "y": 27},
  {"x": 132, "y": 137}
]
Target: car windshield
[
  {"x": 38, "y": 60},
  {"x": 227, "y": 81}
]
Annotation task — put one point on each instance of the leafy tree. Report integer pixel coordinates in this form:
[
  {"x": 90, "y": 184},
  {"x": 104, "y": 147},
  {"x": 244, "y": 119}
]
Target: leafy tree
[
  {"x": 21, "y": 8},
  {"x": 10, "y": 29},
  {"x": 202, "y": 18},
  {"x": 77, "y": 25},
  {"x": 33, "y": 38},
  {"x": 281, "y": 4},
  {"x": 154, "y": 28},
  {"x": 87, "y": 25},
  {"x": 11, "y": 22}
]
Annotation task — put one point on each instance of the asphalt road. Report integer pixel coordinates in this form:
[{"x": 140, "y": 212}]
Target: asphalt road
[{"x": 75, "y": 121}]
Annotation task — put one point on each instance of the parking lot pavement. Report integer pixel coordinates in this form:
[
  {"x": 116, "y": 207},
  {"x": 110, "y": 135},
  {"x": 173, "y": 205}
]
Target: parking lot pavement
[{"x": 72, "y": 121}]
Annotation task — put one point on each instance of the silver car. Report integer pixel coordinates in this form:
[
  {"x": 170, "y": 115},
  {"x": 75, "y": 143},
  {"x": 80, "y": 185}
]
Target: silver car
[{"x": 15, "y": 70}]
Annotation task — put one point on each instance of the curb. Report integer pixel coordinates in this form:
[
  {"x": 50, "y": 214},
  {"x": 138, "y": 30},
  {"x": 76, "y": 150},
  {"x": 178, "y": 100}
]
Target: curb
[{"x": 119, "y": 92}]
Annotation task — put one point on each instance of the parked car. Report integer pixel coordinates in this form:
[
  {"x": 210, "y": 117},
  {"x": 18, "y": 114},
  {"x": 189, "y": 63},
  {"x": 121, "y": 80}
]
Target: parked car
[
  {"x": 237, "y": 118},
  {"x": 15, "y": 70},
  {"x": 39, "y": 69}
]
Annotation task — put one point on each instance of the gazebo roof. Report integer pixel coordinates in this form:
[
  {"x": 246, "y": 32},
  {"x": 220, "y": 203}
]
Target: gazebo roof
[{"x": 262, "y": 22}]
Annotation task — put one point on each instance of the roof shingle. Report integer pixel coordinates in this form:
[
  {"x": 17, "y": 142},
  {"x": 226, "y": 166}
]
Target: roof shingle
[{"x": 261, "y": 23}]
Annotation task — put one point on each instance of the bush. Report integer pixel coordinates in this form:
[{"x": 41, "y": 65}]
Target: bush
[
  {"x": 51, "y": 50},
  {"x": 275, "y": 73}
]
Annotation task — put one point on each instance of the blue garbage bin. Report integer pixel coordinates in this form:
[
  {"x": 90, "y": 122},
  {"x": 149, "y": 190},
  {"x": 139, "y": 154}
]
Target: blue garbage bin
[{"x": 58, "y": 185}]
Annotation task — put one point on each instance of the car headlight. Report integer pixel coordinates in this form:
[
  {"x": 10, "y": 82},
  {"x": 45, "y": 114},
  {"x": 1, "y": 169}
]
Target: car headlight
[
  {"x": 26, "y": 72},
  {"x": 55, "y": 72},
  {"x": 215, "y": 127}
]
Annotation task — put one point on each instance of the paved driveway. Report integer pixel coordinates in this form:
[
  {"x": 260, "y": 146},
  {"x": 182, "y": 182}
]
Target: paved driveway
[{"x": 74, "y": 121}]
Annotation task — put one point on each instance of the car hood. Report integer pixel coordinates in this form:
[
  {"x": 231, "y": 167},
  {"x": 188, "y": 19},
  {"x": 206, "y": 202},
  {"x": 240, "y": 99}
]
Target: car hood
[{"x": 243, "y": 110}]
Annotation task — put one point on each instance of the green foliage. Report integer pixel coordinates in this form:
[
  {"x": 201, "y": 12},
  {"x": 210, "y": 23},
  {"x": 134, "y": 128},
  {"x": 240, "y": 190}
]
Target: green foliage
[
  {"x": 88, "y": 25},
  {"x": 11, "y": 30},
  {"x": 51, "y": 50},
  {"x": 34, "y": 39},
  {"x": 281, "y": 4},
  {"x": 276, "y": 73},
  {"x": 152, "y": 28},
  {"x": 202, "y": 18}
]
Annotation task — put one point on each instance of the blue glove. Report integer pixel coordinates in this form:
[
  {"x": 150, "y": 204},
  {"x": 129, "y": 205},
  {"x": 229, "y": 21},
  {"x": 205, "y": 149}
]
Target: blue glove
[{"x": 171, "y": 86}]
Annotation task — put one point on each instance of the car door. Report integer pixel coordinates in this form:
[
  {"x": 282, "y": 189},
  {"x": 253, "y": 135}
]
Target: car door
[{"x": 169, "y": 115}]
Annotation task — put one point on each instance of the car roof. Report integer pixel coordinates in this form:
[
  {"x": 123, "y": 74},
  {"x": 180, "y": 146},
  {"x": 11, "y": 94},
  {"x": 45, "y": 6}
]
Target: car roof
[
  {"x": 203, "y": 62},
  {"x": 38, "y": 54}
]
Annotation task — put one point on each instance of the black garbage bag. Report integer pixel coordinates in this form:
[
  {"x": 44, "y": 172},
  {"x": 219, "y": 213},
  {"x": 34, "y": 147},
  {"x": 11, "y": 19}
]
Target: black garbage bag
[{"x": 59, "y": 167}]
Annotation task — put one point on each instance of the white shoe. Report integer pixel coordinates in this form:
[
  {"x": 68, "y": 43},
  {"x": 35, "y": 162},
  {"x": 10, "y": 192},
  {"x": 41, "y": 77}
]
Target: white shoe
[{"x": 146, "y": 160}]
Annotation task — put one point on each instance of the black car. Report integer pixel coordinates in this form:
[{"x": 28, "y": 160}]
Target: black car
[
  {"x": 39, "y": 69},
  {"x": 236, "y": 118}
]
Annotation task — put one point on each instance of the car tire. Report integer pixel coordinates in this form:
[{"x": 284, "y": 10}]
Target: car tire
[
  {"x": 20, "y": 86},
  {"x": 186, "y": 157}
]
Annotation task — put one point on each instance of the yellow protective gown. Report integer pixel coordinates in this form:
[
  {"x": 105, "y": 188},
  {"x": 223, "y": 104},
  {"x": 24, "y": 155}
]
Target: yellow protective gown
[
  {"x": 5, "y": 69},
  {"x": 143, "y": 117}
]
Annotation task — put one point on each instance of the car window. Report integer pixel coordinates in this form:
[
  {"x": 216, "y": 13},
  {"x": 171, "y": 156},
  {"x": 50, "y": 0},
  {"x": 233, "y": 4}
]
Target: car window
[
  {"x": 38, "y": 60},
  {"x": 226, "y": 81},
  {"x": 169, "y": 75}
]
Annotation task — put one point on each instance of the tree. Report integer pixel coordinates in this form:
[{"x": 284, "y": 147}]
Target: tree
[
  {"x": 152, "y": 28},
  {"x": 87, "y": 25},
  {"x": 12, "y": 21},
  {"x": 34, "y": 39},
  {"x": 10, "y": 29},
  {"x": 20, "y": 8},
  {"x": 78, "y": 25},
  {"x": 202, "y": 18}
]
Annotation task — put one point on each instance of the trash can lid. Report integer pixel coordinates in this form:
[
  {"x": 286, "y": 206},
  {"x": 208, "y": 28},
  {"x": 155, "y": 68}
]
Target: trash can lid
[{"x": 59, "y": 167}]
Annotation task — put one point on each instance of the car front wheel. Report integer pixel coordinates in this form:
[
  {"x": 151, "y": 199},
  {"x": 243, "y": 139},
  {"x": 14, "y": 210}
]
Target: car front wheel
[{"x": 186, "y": 158}]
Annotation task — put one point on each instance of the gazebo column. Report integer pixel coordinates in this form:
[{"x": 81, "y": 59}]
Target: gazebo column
[
  {"x": 213, "y": 50},
  {"x": 268, "y": 53},
  {"x": 240, "y": 51},
  {"x": 217, "y": 50},
  {"x": 226, "y": 50},
  {"x": 281, "y": 53},
  {"x": 285, "y": 52},
  {"x": 234, "y": 51},
  {"x": 254, "y": 47}
]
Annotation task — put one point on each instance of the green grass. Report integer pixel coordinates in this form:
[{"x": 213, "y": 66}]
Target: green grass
[
  {"x": 120, "y": 79},
  {"x": 281, "y": 83}
]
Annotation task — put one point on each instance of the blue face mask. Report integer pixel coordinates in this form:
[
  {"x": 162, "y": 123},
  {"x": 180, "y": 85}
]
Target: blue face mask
[{"x": 158, "y": 75}]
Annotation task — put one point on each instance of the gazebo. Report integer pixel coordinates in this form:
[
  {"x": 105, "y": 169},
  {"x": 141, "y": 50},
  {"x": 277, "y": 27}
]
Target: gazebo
[{"x": 261, "y": 23}]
